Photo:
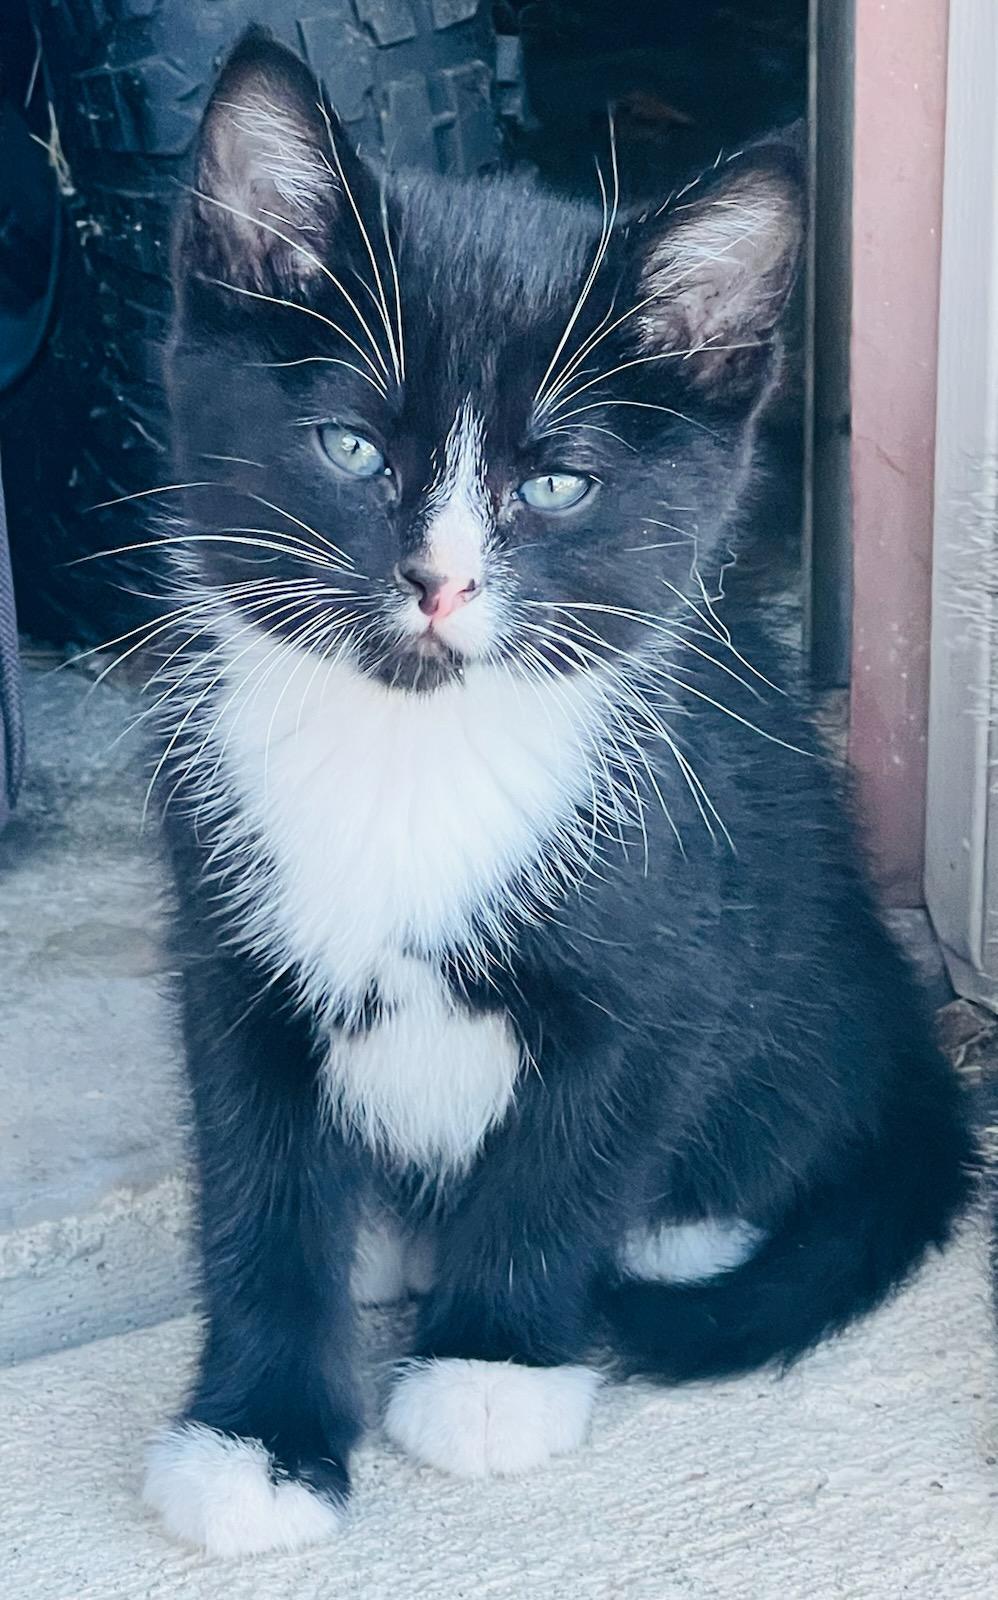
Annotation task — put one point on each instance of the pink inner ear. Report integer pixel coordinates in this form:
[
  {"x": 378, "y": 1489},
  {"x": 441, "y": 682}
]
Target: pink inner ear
[
  {"x": 721, "y": 272},
  {"x": 272, "y": 158},
  {"x": 263, "y": 182},
  {"x": 265, "y": 166}
]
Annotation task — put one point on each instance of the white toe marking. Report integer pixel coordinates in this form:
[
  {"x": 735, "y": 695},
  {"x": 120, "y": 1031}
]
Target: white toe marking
[
  {"x": 690, "y": 1252},
  {"x": 218, "y": 1492},
  {"x": 479, "y": 1419}
]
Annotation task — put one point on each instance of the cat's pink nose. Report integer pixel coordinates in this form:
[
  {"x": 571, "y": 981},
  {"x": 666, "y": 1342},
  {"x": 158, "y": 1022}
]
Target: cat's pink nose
[
  {"x": 437, "y": 595},
  {"x": 452, "y": 593}
]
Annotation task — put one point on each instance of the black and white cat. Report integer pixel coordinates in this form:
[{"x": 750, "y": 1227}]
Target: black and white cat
[{"x": 513, "y": 909}]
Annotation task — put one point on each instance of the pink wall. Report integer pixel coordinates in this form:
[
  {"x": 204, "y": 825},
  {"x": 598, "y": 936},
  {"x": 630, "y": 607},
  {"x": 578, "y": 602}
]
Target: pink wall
[{"x": 900, "y": 93}]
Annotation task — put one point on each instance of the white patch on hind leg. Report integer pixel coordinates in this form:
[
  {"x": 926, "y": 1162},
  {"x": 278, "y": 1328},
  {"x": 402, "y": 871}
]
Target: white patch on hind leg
[
  {"x": 378, "y": 1275},
  {"x": 219, "y": 1492},
  {"x": 690, "y": 1252},
  {"x": 390, "y": 1263},
  {"x": 420, "y": 1262},
  {"x": 482, "y": 1419}
]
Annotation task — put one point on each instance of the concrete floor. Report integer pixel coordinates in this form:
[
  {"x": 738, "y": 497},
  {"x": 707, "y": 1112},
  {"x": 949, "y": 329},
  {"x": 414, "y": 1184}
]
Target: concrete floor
[
  {"x": 869, "y": 1471},
  {"x": 92, "y": 1214},
  {"x": 867, "y": 1474}
]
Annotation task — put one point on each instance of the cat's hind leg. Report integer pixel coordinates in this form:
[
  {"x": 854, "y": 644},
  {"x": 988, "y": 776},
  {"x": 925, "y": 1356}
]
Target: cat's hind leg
[
  {"x": 484, "y": 1418},
  {"x": 499, "y": 1385},
  {"x": 391, "y": 1262}
]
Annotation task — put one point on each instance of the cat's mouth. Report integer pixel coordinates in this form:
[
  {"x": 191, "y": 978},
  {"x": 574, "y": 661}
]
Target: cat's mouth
[{"x": 418, "y": 665}]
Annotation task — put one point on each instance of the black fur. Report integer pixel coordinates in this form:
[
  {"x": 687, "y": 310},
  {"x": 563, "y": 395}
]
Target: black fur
[{"x": 727, "y": 1033}]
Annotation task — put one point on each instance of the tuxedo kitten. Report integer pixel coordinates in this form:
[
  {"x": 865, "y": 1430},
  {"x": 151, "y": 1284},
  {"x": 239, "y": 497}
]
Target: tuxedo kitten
[{"x": 515, "y": 907}]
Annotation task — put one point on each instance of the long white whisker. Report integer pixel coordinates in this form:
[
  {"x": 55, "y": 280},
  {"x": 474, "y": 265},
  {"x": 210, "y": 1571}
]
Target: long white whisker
[
  {"x": 309, "y": 255},
  {"x": 593, "y": 427},
  {"x": 148, "y": 629},
  {"x": 571, "y": 365},
  {"x": 393, "y": 264},
  {"x": 658, "y": 523},
  {"x": 158, "y": 626},
  {"x": 332, "y": 361},
  {"x": 308, "y": 311},
  {"x": 663, "y": 544},
  {"x": 251, "y": 623},
  {"x": 555, "y": 411},
  {"x": 343, "y": 565},
  {"x": 304, "y": 641},
  {"x": 206, "y": 483},
  {"x": 278, "y": 651},
  {"x": 554, "y": 642},
  {"x": 545, "y": 672},
  {"x": 586, "y": 659},
  {"x": 298, "y": 642},
  {"x": 163, "y": 488},
  {"x": 609, "y": 219},
  {"x": 315, "y": 556},
  {"x": 664, "y": 631},
  {"x": 718, "y": 631},
  {"x": 269, "y": 590},
  {"x": 298, "y": 523},
  {"x": 600, "y": 332},
  {"x": 322, "y": 660},
  {"x": 631, "y": 697},
  {"x": 639, "y": 405},
  {"x": 673, "y": 632},
  {"x": 366, "y": 238}
]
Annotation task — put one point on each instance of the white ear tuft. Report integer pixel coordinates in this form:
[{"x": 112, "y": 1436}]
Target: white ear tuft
[
  {"x": 271, "y": 156},
  {"x": 266, "y": 187},
  {"x": 719, "y": 268}
]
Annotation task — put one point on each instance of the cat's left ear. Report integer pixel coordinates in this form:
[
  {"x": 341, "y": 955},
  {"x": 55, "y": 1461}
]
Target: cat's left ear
[
  {"x": 717, "y": 266},
  {"x": 269, "y": 170}
]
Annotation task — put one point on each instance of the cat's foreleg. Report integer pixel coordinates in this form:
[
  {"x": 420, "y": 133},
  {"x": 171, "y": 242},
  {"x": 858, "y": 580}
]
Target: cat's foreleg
[
  {"x": 257, "y": 1460},
  {"x": 499, "y": 1383}
]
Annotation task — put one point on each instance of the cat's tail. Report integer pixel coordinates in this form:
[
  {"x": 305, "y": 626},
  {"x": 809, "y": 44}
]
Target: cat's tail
[{"x": 841, "y": 1252}]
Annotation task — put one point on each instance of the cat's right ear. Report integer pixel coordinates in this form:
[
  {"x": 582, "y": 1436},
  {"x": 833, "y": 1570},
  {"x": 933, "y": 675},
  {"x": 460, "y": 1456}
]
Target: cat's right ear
[
  {"x": 717, "y": 265},
  {"x": 269, "y": 172}
]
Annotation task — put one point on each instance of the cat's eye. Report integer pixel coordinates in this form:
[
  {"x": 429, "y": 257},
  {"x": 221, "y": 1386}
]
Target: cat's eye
[
  {"x": 555, "y": 491},
  {"x": 350, "y": 451}
]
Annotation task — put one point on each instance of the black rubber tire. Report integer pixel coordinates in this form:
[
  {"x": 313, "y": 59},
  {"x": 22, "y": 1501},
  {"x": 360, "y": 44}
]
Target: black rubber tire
[{"x": 413, "y": 80}]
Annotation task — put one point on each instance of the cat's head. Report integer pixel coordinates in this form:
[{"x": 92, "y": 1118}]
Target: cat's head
[{"x": 436, "y": 424}]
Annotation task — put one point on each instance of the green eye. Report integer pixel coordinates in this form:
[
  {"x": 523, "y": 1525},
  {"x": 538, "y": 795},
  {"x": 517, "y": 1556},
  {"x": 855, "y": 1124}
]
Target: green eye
[
  {"x": 350, "y": 451},
  {"x": 555, "y": 491}
]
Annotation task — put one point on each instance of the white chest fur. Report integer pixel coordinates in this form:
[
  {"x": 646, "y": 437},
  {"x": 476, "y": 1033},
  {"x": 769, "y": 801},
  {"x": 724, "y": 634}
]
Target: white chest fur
[
  {"x": 429, "y": 1080},
  {"x": 389, "y": 824}
]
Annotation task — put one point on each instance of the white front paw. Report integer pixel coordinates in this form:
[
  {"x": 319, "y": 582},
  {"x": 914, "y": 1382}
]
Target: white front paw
[
  {"x": 479, "y": 1419},
  {"x": 222, "y": 1493}
]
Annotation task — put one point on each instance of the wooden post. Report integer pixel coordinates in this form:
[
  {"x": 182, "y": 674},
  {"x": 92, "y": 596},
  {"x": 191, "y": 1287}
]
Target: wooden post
[
  {"x": 961, "y": 867},
  {"x": 900, "y": 101}
]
